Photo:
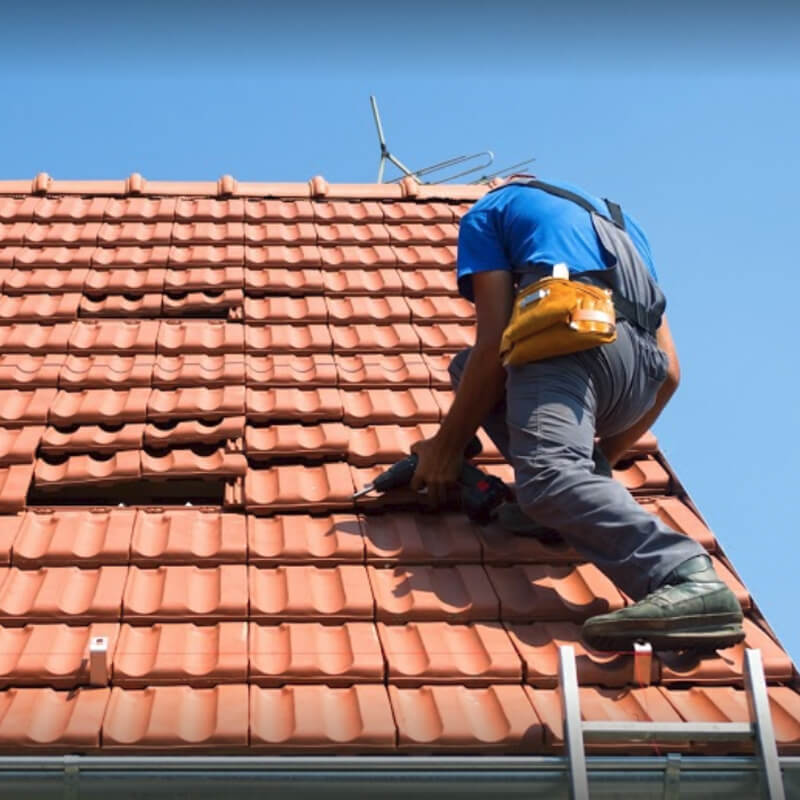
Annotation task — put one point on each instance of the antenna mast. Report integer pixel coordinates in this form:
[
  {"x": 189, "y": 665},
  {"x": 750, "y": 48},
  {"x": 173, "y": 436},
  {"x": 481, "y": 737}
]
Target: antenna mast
[{"x": 486, "y": 156}]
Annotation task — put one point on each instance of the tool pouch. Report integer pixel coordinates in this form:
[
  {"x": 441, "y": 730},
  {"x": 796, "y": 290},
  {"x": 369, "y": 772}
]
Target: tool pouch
[{"x": 555, "y": 317}]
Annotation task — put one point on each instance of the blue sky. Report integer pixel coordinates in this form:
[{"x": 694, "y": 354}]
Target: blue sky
[{"x": 689, "y": 119}]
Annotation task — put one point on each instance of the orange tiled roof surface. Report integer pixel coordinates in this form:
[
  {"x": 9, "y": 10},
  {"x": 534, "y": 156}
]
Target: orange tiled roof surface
[{"x": 194, "y": 378}]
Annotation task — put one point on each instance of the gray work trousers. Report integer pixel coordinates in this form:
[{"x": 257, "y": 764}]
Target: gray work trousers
[{"x": 545, "y": 427}]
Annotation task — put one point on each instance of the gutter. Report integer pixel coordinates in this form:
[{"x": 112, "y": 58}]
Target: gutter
[{"x": 233, "y": 777}]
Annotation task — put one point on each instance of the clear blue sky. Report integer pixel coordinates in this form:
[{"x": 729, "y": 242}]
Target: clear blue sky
[{"x": 690, "y": 119}]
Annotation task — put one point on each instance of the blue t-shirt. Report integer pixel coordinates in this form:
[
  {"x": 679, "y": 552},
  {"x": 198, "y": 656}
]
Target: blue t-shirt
[{"x": 519, "y": 225}]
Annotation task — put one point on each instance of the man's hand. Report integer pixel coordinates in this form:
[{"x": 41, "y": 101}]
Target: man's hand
[{"x": 438, "y": 468}]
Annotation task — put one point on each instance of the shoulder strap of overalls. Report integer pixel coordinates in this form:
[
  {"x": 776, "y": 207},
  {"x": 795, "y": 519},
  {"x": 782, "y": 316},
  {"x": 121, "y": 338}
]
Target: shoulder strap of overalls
[
  {"x": 635, "y": 312},
  {"x": 614, "y": 210}
]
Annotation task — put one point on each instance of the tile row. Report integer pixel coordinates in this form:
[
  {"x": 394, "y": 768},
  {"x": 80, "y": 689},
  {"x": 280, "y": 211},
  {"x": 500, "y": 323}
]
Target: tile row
[
  {"x": 153, "y": 536},
  {"x": 70, "y": 371},
  {"x": 77, "y": 209},
  {"x": 211, "y": 258},
  {"x": 341, "y": 654},
  {"x": 365, "y": 718},
  {"x": 111, "y": 406},
  {"x": 310, "y": 309},
  {"x": 33, "y": 233},
  {"x": 361, "y": 446},
  {"x": 271, "y": 489},
  {"x": 300, "y": 592},
  {"x": 219, "y": 337},
  {"x": 364, "y": 370}
]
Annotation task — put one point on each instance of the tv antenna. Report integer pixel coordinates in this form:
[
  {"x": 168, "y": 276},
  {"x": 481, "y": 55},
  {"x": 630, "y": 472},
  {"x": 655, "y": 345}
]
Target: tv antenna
[{"x": 485, "y": 157}]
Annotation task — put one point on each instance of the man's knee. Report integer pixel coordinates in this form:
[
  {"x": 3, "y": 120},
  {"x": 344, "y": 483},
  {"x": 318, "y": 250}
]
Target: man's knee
[
  {"x": 456, "y": 367},
  {"x": 552, "y": 490}
]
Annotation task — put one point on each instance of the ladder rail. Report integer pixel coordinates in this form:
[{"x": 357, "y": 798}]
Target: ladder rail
[
  {"x": 577, "y": 732},
  {"x": 764, "y": 732}
]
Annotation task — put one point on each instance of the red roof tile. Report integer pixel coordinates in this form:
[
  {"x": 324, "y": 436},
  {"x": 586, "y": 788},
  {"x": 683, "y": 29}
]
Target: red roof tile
[
  {"x": 18, "y": 445},
  {"x": 15, "y": 480},
  {"x": 44, "y": 281},
  {"x": 106, "y": 371},
  {"x": 441, "y": 718},
  {"x": 288, "y": 593},
  {"x": 605, "y": 705},
  {"x": 378, "y": 370},
  {"x": 541, "y": 591},
  {"x": 180, "y": 653},
  {"x": 30, "y": 371},
  {"x": 303, "y": 719},
  {"x": 301, "y": 339},
  {"x": 229, "y": 361},
  {"x": 355, "y": 282},
  {"x": 97, "y": 406},
  {"x": 299, "y": 488},
  {"x": 61, "y": 594},
  {"x": 184, "y": 593},
  {"x": 477, "y": 654},
  {"x": 62, "y": 538},
  {"x": 310, "y": 652},
  {"x": 187, "y": 536},
  {"x": 290, "y": 404},
  {"x": 50, "y": 655},
  {"x": 94, "y": 336},
  {"x": 33, "y": 338},
  {"x": 100, "y": 282},
  {"x": 44, "y": 720},
  {"x": 386, "y": 406},
  {"x": 89, "y": 468},
  {"x": 407, "y": 538},
  {"x": 281, "y": 281},
  {"x": 176, "y": 718},
  {"x": 461, "y": 593},
  {"x": 92, "y": 438}
]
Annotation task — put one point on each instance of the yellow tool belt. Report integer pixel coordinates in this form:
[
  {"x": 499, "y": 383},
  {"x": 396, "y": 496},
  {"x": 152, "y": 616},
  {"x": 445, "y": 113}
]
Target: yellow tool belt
[{"x": 556, "y": 317}]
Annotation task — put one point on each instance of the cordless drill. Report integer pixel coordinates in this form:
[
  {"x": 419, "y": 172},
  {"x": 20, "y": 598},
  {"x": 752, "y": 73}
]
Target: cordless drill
[{"x": 481, "y": 493}]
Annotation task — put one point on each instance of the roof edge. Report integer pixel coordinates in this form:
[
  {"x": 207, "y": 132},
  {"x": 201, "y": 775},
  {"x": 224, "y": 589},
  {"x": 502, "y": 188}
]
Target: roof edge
[
  {"x": 368, "y": 776},
  {"x": 227, "y": 186}
]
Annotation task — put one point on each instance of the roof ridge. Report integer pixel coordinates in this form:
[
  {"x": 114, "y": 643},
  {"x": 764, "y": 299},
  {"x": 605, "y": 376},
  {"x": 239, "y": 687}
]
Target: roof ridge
[{"x": 227, "y": 186}]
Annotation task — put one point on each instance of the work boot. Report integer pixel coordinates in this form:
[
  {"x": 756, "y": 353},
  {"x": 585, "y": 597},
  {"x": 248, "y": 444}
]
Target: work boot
[{"x": 693, "y": 608}]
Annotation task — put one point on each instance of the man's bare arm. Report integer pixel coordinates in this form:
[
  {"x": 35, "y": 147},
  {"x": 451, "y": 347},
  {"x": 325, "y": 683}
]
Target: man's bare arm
[
  {"x": 480, "y": 389},
  {"x": 615, "y": 447}
]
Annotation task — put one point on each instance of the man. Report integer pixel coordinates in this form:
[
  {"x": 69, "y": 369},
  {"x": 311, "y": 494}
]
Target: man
[{"x": 544, "y": 416}]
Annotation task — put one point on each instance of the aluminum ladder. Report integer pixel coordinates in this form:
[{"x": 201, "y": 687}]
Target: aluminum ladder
[{"x": 577, "y": 732}]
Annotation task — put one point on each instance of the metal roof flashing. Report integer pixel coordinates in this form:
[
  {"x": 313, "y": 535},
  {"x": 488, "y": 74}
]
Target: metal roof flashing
[{"x": 666, "y": 777}]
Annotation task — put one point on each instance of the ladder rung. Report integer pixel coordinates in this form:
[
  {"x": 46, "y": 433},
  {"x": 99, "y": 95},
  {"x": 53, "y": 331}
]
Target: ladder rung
[{"x": 666, "y": 731}]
